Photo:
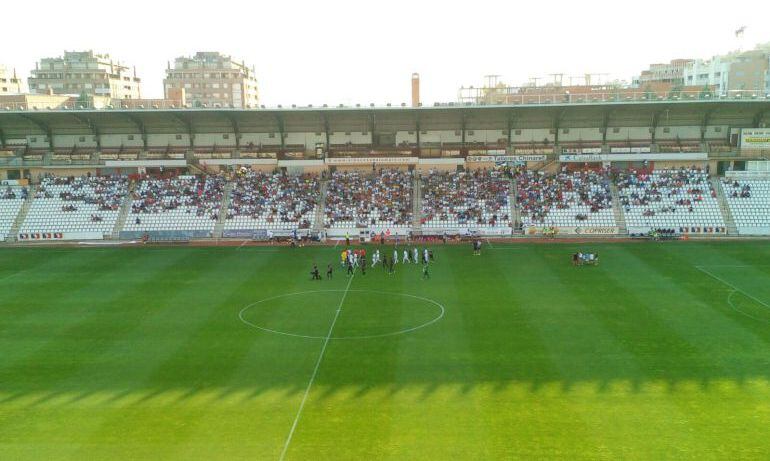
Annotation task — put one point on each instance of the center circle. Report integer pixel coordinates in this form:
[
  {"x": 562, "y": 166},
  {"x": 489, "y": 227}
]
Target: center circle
[{"x": 365, "y": 314}]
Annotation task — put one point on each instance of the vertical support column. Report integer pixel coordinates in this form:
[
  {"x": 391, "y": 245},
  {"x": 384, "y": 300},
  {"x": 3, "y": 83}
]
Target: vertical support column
[{"x": 281, "y": 130}]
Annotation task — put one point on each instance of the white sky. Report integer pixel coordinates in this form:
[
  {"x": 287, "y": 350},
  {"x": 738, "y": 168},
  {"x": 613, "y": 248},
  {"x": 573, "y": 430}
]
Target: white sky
[{"x": 315, "y": 52}]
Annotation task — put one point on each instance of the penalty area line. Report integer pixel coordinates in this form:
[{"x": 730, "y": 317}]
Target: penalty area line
[
  {"x": 315, "y": 370},
  {"x": 715, "y": 277}
]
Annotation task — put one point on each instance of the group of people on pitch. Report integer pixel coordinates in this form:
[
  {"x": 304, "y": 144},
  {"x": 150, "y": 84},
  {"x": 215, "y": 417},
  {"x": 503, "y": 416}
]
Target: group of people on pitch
[
  {"x": 356, "y": 259},
  {"x": 580, "y": 259}
]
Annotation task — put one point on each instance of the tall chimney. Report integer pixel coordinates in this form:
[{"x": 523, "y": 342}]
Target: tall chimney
[{"x": 415, "y": 90}]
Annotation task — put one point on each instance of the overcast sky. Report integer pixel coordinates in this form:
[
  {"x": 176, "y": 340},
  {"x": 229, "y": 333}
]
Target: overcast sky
[{"x": 315, "y": 52}]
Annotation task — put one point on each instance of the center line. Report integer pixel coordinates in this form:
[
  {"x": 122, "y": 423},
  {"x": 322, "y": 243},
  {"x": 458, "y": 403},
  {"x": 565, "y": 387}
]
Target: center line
[{"x": 315, "y": 371}]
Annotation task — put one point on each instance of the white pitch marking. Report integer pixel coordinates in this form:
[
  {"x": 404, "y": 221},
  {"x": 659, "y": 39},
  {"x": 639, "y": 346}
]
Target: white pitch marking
[
  {"x": 315, "y": 370},
  {"x": 489, "y": 242},
  {"x": 14, "y": 274},
  {"x": 732, "y": 286},
  {"x": 737, "y": 266},
  {"x": 735, "y": 308},
  {"x": 442, "y": 311}
]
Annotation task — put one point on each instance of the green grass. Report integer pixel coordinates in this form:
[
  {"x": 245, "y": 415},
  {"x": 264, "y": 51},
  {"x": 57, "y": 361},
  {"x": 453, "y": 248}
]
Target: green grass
[{"x": 139, "y": 353}]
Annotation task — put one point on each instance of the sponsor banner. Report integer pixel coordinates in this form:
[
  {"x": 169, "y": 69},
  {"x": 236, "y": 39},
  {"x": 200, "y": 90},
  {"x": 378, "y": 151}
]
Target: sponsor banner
[
  {"x": 670, "y": 156},
  {"x": 506, "y": 158},
  {"x": 12, "y": 182},
  {"x": 238, "y": 234},
  {"x": 241, "y": 161},
  {"x": 755, "y": 138},
  {"x": 370, "y": 160},
  {"x": 44, "y": 236},
  {"x": 756, "y": 230},
  {"x": 145, "y": 163},
  {"x": 300, "y": 163},
  {"x": 529, "y": 151},
  {"x": 451, "y": 153},
  {"x": 441, "y": 161},
  {"x": 643, "y": 230},
  {"x": 584, "y": 150},
  {"x": 253, "y": 234},
  {"x": 629, "y": 150},
  {"x": 482, "y": 152},
  {"x": 609, "y": 230},
  {"x": 739, "y": 175},
  {"x": 165, "y": 235}
]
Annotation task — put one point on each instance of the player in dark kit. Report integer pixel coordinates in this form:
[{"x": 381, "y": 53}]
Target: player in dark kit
[
  {"x": 329, "y": 272},
  {"x": 350, "y": 267},
  {"x": 314, "y": 273},
  {"x": 385, "y": 263},
  {"x": 363, "y": 265},
  {"x": 390, "y": 265}
]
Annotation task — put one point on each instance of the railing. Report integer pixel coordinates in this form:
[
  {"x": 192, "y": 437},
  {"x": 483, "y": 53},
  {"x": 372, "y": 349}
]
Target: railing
[
  {"x": 504, "y": 96},
  {"x": 523, "y": 96}
]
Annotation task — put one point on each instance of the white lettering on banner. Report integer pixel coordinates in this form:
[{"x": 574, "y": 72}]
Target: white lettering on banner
[
  {"x": 482, "y": 152},
  {"x": 580, "y": 158},
  {"x": 629, "y": 150},
  {"x": 591, "y": 150},
  {"x": 370, "y": 160},
  {"x": 597, "y": 230},
  {"x": 506, "y": 158},
  {"x": 755, "y": 138},
  {"x": 673, "y": 156},
  {"x": 574, "y": 230}
]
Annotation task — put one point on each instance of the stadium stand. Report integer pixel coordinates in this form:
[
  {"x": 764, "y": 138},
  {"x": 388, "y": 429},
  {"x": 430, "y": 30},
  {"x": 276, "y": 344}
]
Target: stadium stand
[
  {"x": 577, "y": 199},
  {"x": 378, "y": 201},
  {"x": 749, "y": 203},
  {"x": 272, "y": 201},
  {"x": 681, "y": 200},
  {"x": 76, "y": 204},
  {"x": 11, "y": 201},
  {"x": 474, "y": 200},
  {"x": 183, "y": 203}
]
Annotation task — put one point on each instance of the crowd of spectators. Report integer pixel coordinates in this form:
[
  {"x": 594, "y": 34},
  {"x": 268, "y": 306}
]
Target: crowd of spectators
[
  {"x": 664, "y": 191},
  {"x": 105, "y": 192},
  {"x": 734, "y": 189},
  {"x": 202, "y": 197},
  {"x": 357, "y": 199},
  {"x": 13, "y": 193},
  {"x": 274, "y": 198},
  {"x": 468, "y": 198},
  {"x": 582, "y": 193}
]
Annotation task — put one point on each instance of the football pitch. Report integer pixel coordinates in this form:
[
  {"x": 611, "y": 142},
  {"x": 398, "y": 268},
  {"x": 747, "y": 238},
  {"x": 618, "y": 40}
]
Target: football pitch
[{"x": 660, "y": 352}]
